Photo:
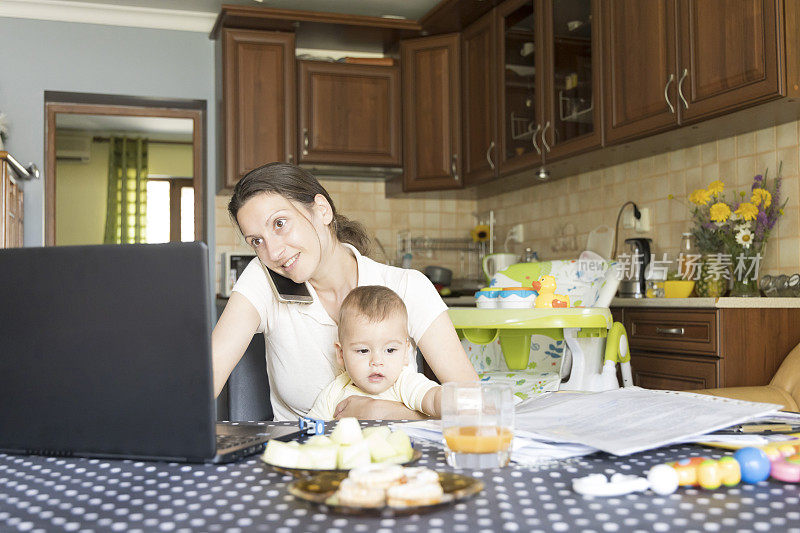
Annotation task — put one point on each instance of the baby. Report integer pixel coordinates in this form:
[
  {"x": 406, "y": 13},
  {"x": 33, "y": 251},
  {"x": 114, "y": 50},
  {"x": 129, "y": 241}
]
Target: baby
[{"x": 373, "y": 349}]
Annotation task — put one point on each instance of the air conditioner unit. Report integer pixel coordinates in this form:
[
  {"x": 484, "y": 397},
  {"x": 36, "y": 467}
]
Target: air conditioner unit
[{"x": 73, "y": 147}]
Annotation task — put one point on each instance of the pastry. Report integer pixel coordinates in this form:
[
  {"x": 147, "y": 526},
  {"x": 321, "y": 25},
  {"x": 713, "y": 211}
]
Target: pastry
[
  {"x": 356, "y": 495},
  {"x": 420, "y": 474},
  {"x": 413, "y": 494},
  {"x": 378, "y": 476}
]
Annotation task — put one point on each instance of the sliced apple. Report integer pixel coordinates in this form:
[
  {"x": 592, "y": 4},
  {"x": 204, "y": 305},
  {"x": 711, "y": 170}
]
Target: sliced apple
[
  {"x": 322, "y": 456},
  {"x": 347, "y": 431},
  {"x": 281, "y": 454},
  {"x": 401, "y": 443},
  {"x": 354, "y": 455},
  {"x": 379, "y": 448},
  {"x": 383, "y": 431}
]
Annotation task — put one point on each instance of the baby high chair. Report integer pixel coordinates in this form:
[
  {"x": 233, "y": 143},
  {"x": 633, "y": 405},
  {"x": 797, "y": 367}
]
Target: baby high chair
[{"x": 568, "y": 332}]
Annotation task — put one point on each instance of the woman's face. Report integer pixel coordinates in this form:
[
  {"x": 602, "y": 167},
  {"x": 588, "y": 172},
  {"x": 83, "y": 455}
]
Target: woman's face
[{"x": 288, "y": 237}]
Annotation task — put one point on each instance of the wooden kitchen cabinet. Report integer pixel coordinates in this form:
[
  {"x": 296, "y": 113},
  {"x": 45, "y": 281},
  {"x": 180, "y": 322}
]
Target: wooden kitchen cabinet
[
  {"x": 691, "y": 348},
  {"x": 431, "y": 113},
  {"x": 479, "y": 100},
  {"x": 349, "y": 114},
  {"x": 673, "y": 62},
  {"x": 730, "y": 55},
  {"x": 11, "y": 205},
  {"x": 258, "y": 83},
  {"x": 545, "y": 104}
]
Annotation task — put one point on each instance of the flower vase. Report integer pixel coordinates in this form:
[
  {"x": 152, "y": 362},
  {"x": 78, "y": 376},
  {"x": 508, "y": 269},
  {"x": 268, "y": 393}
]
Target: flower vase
[
  {"x": 714, "y": 276},
  {"x": 745, "y": 263}
]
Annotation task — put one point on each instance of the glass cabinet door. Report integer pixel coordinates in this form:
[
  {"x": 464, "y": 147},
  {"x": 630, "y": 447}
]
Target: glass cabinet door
[
  {"x": 519, "y": 104},
  {"x": 573, "y": 72}
]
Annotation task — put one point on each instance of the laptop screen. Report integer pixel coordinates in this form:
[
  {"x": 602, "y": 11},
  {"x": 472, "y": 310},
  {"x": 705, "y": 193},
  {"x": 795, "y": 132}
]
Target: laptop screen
[{"x": 106, "y": 351}]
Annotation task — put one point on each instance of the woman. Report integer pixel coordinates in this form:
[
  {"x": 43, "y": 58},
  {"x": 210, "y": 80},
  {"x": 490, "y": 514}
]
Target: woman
[{"x": 290, "y": 221}]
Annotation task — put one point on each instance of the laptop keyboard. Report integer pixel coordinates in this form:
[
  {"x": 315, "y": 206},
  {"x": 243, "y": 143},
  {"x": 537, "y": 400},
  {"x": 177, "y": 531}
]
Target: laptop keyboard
[{"x": 229, "y": 441}]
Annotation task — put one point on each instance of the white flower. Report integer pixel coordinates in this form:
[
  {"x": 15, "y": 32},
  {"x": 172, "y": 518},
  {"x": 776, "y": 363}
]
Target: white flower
[{"x": 744, "y": 237}]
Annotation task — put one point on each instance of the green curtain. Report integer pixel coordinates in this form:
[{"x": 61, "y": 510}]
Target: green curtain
[{"x": 126, "y": 211}]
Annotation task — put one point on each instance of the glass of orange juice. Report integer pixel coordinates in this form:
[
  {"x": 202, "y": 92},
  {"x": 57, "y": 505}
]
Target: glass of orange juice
[{"x": 477, "y": 424}]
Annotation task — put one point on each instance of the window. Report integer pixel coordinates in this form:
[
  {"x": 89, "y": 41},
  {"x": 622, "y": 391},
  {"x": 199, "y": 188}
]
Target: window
[{"x": 170, "y": 210}]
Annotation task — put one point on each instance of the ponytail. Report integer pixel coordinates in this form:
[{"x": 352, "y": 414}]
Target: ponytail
[
  {"x": 351, "y": 232},
  {"x": 295, "y": 183}
]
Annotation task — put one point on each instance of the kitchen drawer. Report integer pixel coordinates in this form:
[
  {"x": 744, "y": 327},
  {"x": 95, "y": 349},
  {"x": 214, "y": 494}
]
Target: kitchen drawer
[
  {"x": 675, "y": 372},
  {"x": 676, "y": 331}
]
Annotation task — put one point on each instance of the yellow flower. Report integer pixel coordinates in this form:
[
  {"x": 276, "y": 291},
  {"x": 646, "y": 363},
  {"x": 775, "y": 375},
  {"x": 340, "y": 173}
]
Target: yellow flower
[
  {"x": 480, "y": 233},
  {"x": 759, "y": 195},
  {"x": 700, "y": 197},
  {"x": 716, "y": 187},
  {"x": 720, "y": 212},
  {"x": 747, "y": 211}
]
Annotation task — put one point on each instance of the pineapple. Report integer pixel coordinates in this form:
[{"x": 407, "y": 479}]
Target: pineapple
[{"x": 708, "y": 287}]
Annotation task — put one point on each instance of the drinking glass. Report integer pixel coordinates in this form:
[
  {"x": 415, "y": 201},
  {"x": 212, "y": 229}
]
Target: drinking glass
[{"x": 477, "y": 424}]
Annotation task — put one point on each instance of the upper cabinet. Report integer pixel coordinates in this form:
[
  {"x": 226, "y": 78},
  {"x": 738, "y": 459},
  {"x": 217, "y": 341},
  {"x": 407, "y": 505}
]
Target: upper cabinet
[
  {"x": 431, "y": 113},
  {"x": 670, "y": 62},
  {"x": 258, "y": 77},
  {"x": 729, "y": 55},
  {"x": 543, "y": 100},
  {"x": 349, "y": 114},
  {"x": 573, "y": 78},
  {"x": 521, "y": 103},
  {"x": 479, "y": 100}
]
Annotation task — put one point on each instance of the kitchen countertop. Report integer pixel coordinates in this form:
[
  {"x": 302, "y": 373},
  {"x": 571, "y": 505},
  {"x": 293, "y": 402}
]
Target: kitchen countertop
[{"x": 721, "y": 303}]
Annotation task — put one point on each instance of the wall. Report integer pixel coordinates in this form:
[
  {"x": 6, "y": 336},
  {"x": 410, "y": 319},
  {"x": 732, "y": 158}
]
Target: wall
[
  {"x": 63, "y": 56},
  {"x": 589, "y": 199},
  {"x": 435, "y": 215},
  {"x": 82, "y": 188}
]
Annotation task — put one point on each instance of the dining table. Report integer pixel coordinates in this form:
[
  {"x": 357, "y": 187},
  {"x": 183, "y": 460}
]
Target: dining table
[{"x": 45, "y": 494}]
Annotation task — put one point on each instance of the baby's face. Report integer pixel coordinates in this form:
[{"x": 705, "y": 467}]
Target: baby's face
[{"x": 373, "y": 353}]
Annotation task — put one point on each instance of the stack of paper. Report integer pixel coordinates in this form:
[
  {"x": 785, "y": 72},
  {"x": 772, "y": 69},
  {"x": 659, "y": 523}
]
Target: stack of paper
[
  {"x": 621, "y": 422},
  {"x": 632, "y": 419}
]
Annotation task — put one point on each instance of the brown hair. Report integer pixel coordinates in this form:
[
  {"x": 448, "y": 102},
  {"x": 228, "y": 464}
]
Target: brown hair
[
  {"x": 295, "y": 183},
  {"x": 373, "y": 302}
]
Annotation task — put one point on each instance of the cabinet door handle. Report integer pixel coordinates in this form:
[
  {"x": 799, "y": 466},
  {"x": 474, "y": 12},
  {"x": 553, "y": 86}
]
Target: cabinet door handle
[
  {"x": 306, "y": 142},
  {"x": 489, "y": 155},
  {"x": 533, "y": 139},
  {"x": 680, "y": 88},
  {"x": 454, "y": 166},
  {"x": 544, "y": 141},
  {"x": 669, "y": 331},
  {"x": 666, "y": 96}
]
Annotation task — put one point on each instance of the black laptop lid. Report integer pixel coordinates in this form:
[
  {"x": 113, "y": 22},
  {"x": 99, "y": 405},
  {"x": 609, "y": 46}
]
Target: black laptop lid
[{"x": 106, "y": 351}]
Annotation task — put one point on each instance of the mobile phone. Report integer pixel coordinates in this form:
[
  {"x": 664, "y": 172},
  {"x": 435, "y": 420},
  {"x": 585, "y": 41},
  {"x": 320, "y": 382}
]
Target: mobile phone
[{"x": 286, "y": 290}]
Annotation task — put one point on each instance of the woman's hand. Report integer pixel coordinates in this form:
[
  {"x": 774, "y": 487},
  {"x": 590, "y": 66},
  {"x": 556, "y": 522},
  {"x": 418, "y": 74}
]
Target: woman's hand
[{"x": 364, "y": 408}]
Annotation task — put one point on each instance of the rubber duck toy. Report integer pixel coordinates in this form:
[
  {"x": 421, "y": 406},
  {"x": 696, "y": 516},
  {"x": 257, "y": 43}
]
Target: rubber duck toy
[{"x": 546, "y": 286}]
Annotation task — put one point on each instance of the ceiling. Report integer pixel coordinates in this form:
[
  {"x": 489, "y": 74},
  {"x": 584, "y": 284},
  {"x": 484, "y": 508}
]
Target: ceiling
[
  {"x": 155, "y": 127},
  {"x": 410, "y": 9}
]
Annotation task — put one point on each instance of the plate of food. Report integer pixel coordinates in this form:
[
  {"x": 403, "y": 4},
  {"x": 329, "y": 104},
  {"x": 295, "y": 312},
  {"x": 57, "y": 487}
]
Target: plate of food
[
  {"x": 385, "y": 490},
  {"x": 347, "y": 447}
]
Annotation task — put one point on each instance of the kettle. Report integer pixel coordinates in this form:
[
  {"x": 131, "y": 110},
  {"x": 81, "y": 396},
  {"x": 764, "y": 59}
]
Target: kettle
[{"x": 634, "y": 284}]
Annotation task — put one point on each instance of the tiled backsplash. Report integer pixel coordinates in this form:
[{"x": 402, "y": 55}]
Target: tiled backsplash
[
  {"x": 576, "y": 204},
  {"x": 435, "y": 215},
  {"x": 561, "y": 213}
]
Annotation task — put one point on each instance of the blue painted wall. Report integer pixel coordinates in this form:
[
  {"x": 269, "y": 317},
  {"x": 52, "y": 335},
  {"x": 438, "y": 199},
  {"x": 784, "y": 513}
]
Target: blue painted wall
[{"x": 41, "y": 56}]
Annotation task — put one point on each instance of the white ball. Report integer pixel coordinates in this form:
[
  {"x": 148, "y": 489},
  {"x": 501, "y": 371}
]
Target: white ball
[{"x": 663, "y": 479}]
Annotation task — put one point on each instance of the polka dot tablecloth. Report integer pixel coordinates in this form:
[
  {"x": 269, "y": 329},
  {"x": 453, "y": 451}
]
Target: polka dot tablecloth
[{"x": 59, "y": 494}]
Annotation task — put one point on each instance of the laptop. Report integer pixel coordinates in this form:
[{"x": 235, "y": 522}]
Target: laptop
[{"x": 105, "y": 351}]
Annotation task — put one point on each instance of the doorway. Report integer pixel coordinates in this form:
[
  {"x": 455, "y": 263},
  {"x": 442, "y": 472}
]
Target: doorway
[{"x": 161, "y": 146}]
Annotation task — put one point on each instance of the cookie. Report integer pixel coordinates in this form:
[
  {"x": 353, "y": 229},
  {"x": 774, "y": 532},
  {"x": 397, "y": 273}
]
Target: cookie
[
  {"x": 355, "y": 495},
  {"x": 413, "y": 494},
  {"x": 378, "y": 476}
]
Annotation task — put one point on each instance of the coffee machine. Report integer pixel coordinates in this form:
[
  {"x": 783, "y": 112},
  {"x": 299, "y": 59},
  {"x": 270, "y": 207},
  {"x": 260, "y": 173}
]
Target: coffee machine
[{"x": 634, "y": 284}]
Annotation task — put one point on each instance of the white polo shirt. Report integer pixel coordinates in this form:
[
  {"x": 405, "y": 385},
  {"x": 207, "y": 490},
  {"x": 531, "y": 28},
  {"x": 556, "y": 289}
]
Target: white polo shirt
[{"x": 301, "y": 358}]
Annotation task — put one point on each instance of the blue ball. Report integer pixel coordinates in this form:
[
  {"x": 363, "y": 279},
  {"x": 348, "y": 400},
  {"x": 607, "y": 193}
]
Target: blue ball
[{"x": 754, "y": 463}]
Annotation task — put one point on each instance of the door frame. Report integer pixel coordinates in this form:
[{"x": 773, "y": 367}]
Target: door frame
[{"x": 100, "y": 104}]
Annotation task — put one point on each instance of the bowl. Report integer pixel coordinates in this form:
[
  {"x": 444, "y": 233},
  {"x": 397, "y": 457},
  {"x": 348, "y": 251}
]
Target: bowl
[
  {"x": 516, "y": 298},
  {"x": 486, "y": 299},
  {"x": 678, "y": 288}
]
